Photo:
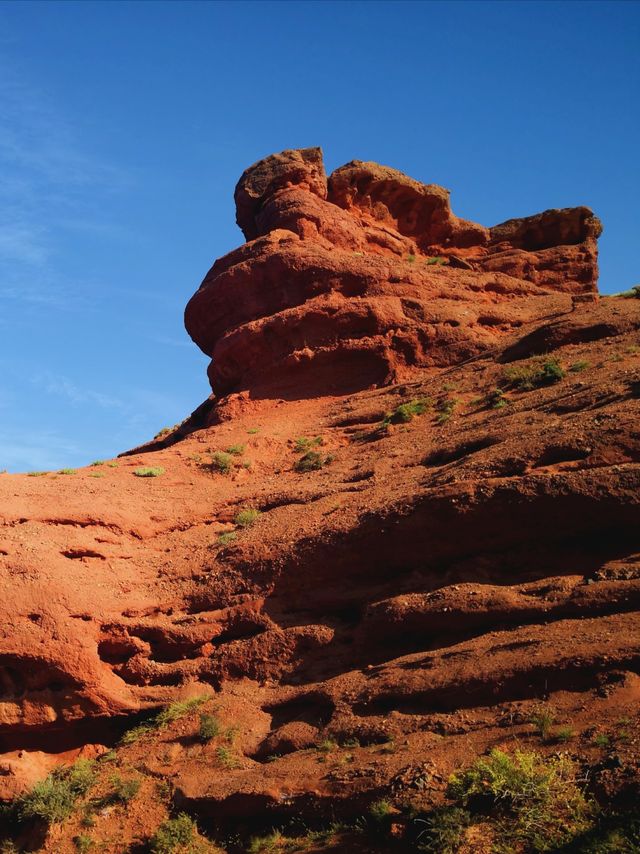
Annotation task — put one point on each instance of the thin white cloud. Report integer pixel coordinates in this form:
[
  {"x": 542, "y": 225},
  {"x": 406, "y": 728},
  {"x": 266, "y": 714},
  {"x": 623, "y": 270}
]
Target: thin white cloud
[{"x": 60, "y": 386}]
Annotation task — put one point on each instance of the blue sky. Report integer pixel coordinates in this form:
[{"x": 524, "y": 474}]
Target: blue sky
[{"x": 125, "y": 126}]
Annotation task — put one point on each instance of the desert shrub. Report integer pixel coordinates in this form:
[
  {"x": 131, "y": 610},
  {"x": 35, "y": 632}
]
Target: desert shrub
[
  {"x": 602, "y": 740},
  {"x": 36, "y": 473},
  {"x": 97, "y": 463},
  {"x": 96, "y": 474},
  {"x": 305, "y": 444},
  {"x": 226, "y": 757},
  {"x": 123, "y": 790},
  {"x": 443, "y": 830},
  {"x": 148, "y": 471},
  {"x": 495, "y": 399},
  {"x": 406, "y": 412},
  {"x": 578, "y": 366},
  {"x": 540, "y": 371},
  {"x": 563, "y": 734},
  {"x": 171, "y": 713},
  {"x": 311, "y": 461},
  {"x": 209, "y": 727},
  {"x": 83, "y": 843},
  {"x": 327, "y": 745},
  {"x": 445, "y": 409},
  {"x": 380, "y": 811},
  {"x": 536, "y": 803},
  {"x": 411, "y": 258},
  {"x": 436, "y": 260},
  {"x": 163, "y": 432},
  {"x": 173, "y": 834},
  {"x": 220, "y": 462},
  {"x": 227, "y": 537},
  {"x": 236, "y": 450},
  {"x": 247, "y": 517},
  {"x": 543, "y": 718},
  {"x": 53, "y": 799},
  {"x": 67, "y": 471}
]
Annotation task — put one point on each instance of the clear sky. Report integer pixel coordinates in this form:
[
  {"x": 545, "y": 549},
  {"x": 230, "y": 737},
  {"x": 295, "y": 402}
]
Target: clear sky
[{"x": 125, "y": 126}]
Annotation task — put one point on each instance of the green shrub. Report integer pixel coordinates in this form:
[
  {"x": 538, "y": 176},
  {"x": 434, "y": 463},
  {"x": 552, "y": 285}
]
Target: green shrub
[
  {"x": 380, "y": 811},
  {"x": 253, "y": 430},
  {"x": 97, "y": 463},
  {"x": 406, "y": 412},
  {"x": 168, "y": 715},
  {"x": 579, "y": 366},
  {"x": 148, "y": 471},
  {"x": 311, "y": 461},
  {"x": 220, "y": 462},
  {"x": 83, "y": 843},
  {"x": 173, "y": 834},
  {"x": 436, "y": 260},
  {"x": 67, "y": 471},
  {"x": 304, "y": 444},
  {"x": 226, "y": 757},
  {"x": 164, "y": 432},
  {"x": 236, "y": 450},
  {"x": 96, "y": 474},
  {"x": 540, "y": 371},
  {"x": 443, "y": 830},
  {"x": 495, "y": 399},
  {"x": 209, "y": 727},
  {"x": 248, "y": 517},
  {"x": 327, "y": 745},
  {"x": 227, "y": 537},
  {"x": 602, "y": 740},
  {"x": 36, "y": 473},
  {"x": 563, "y": 734},
  {"x": 123, "y": 790},
  {"x": 411, "y": 258},
  {"x": 535, "y": 802},
  {"x": 543, "y": 718},
  {"x": 53, "y": 799},
  {"x": 445, "y": 409},
  {"x": 113, "y": 465}
]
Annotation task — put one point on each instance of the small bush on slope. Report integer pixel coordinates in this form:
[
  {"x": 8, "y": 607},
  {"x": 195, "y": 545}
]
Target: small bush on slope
[
  {"x": 53, "y": 799},
  {"x": 541, "y": 371}
]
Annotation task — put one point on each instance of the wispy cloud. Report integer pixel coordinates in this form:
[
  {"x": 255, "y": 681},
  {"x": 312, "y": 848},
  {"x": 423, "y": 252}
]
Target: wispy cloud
[
  {"x": 49, "y": 184},
  {"x": 61, "y": 386}
]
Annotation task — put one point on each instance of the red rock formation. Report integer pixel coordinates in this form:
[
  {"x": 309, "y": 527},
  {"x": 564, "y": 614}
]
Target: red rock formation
[
  {"x": 465, "y": 548},
  {"x": 357, "y": 283}
]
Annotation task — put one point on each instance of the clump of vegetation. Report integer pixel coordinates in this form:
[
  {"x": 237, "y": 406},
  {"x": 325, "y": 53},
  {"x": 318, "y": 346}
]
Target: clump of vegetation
[
  {"x": 632, "y": 293},
  {"x": 411, "y": 258},
  {"x": 236, "y": 450},
  {"x": 445, "y": 409},
  {"x": 602, "y": 740},
  {"x": 83, "y": 843},
  {"x": 579, "y": 366},
  {"x": 306, "y": 444},
  {"x": 148, "y": 471},
  {"x": 66, "y": 471},
  {"x": 436, "y": 260},
  {"x": 543, "y": 718},
  {"x": 220, "y": 462},
  {"x": 381, "y": 811},
  {"x": 535, "y": 803},
  {"x": 564, "y": 734},
  {"x": 36, "y": 473},
  {"x": 123, "y": 790},
  {"x": 406, "y": 412},
  {"x": 534, "y": 373},
  {"x": 53, "y": 799},
  {"x": 164, "y": 432},
  {"x": 495, "y": 399},
  {"x": 226, "y": 757},
  {"x": 327, "y": 745},
  {"x": 227, "y": 537},
  {"x": 168, "y": 715},
  {"x": 208, "y": 728},
  {"x": 97, "y": 463},
  {"x": 443, "y": 830},
  {"x": 113, "y": 464},
  {"x": 253, "y": 430},
  {"x": 247, "y": 517},
  {"x": 173, "y": 835},
  {"x": 96, "y": 474},
  {"x": 311, "y": 461}
]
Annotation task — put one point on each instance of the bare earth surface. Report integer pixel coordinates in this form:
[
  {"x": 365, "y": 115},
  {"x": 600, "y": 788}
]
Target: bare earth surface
[{"x": 444, "y": 569}]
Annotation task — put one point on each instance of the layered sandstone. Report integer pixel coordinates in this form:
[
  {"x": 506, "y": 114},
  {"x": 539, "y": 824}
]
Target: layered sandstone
[{"x": 357, "y": 279}]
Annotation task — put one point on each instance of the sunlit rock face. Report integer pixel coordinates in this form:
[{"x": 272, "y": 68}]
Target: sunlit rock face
[{"x": 357, "y": 279}]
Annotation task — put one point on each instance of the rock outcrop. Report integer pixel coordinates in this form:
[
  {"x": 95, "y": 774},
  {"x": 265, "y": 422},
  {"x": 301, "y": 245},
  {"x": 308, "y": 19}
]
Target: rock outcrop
[
  {"x": 356, "y": 280},
  {"x": 360, "y": 591}
]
